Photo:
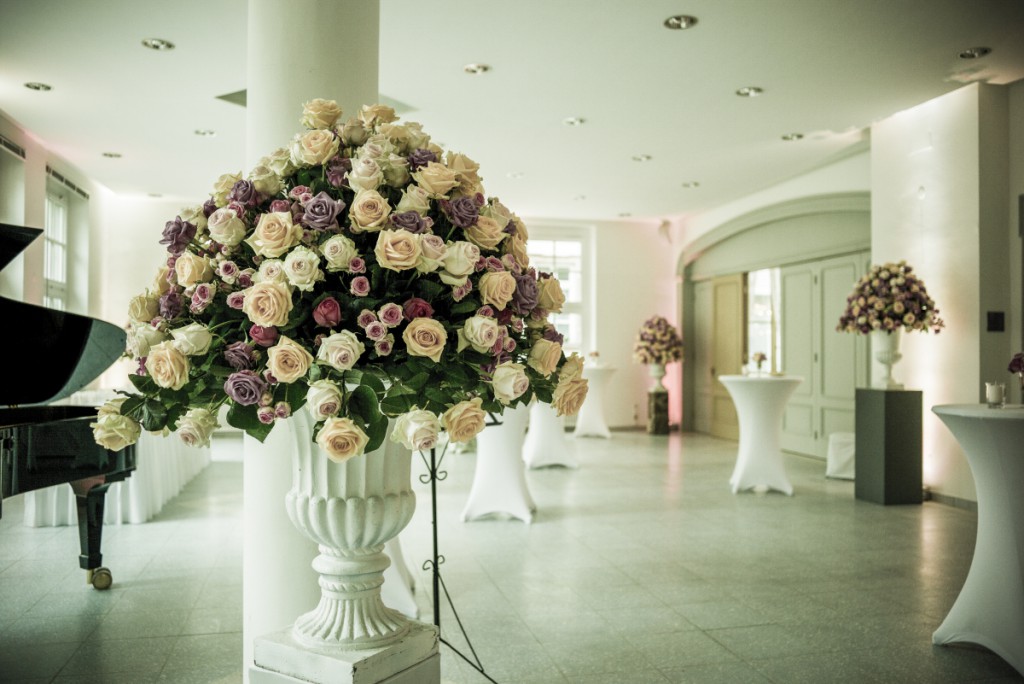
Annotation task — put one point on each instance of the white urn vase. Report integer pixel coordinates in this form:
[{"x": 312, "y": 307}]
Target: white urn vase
[
  {"x": 886, "y": 347},
  {"x": 657, "y": 371},
  {"x": 351, "y": 510}
]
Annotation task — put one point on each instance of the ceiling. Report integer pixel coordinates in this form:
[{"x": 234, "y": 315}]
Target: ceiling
[{"x": 828, "y": 68}]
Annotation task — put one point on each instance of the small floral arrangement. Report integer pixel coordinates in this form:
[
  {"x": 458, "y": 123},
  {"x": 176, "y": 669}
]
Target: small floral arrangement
[
  {"x": 1017, "y": 367},
  {"x": 890, "y": 297},
  {"x": 359, "y": 272},
  {"x": 657, "y": 342},
  {"x": 759, "y": 358}
]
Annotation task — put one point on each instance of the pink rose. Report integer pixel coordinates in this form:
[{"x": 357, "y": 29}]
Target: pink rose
[
  {"x": 263, "y": 336},
  {"x": 265, "y": 414},
  {"x": 365, "y": 318},
  {"x": 280, "y": 205},
  {"x": 357, "y": 265},
  {"x": 391, "y": 314},
  {"x": 384, "y": 347},
  {"x": 376, "y": 331},
  {"x": 417, "y": 308},
  {"x": 327, "y": 313},
  {"x": 360, "y": 286},
  {"x": 236, "y": 300}
]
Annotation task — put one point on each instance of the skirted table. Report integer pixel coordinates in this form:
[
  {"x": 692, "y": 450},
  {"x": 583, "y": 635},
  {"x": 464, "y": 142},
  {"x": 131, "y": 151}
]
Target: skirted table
[
  {"x": 546, "y": 444},
  {"x": 760, "y": 402},
  {"x": 591, "y": 422},
  {"x": 499, "y": 481},
  {"x": 990, "y": 608}
]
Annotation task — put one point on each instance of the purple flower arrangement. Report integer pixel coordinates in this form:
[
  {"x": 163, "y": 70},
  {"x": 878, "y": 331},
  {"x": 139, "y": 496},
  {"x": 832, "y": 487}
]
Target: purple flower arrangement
[
  {"x": 360, "y": 272},
  {"x": 657, "y": 342},
  {"x": 890, "y": 297}
]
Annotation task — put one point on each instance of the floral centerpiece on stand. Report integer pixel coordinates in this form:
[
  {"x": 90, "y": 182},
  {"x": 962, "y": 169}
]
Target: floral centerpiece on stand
[
  {"x": 1017, "y": 368},
  {"x": 657, "y": 344},
  {"x": 360, "y": 273}
]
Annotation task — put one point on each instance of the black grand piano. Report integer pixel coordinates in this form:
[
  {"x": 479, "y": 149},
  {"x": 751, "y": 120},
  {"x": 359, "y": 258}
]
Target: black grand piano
[{"x": 41, "y": 444}]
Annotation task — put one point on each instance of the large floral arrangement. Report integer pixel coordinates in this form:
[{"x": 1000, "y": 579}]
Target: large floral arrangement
[
  {"x": 890, "y": 297},
  {"x": 359, "y": 272},
  {"x": 657, "y": 342}
]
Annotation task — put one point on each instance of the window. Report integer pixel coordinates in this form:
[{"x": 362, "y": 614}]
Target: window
[
  {"x": 762, "y": 318},
  {"x": 565, "y": 254},
  {"x": 55, "y": 253}
]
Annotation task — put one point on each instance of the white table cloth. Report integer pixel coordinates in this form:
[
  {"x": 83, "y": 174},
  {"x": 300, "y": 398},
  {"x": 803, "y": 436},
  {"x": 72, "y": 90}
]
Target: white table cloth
[
  {"x": 546, "y": 443},
  {"x": 499, "y": 482},
  {"x": 990, "y": 608},
  {"x": 760, "y": 402},
  {"x": 591, "y": 421}
]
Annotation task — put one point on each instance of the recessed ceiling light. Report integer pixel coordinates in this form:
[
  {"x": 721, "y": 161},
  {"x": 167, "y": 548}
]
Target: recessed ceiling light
[
  {"x": 205, "y": 132},
  {"x": 691, "y": 184},
  {"x": 975, "y": 52},
  {"x": 642, "y": 157},
  {"x": 573, "y": 120},
  {"x": 793, "y": 136},
  {"x": 41, "y": 87},
  {"x": 680, "y": 22},
  {"x": 476, "y": 68},
  {"x": 157, "y": 44},
  {"x": 112, "y": 155},
  {"x": 749, "y": 91},
  {"x": 580, "y": 198},
  {"x": 155, "y": 195},
  {"x": 515, "y": 174},
  {"x": 624, "y": 214}
]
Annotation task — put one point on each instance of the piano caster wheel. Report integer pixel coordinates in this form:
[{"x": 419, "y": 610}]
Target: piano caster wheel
[{"x": 100, "y": 578}]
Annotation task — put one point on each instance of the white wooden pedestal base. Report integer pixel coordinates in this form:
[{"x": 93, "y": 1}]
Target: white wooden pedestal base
[{"x": 414, "y": 659}]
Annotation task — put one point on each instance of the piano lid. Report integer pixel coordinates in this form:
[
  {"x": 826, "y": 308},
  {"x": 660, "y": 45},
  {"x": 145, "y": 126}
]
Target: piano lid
[{"x": 57, "y": 352}]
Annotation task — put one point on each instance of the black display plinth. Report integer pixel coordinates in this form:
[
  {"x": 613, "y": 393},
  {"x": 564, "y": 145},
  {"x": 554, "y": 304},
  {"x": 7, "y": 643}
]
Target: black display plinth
[
  {"x": 657, "y": 413},
  {"x": 887, "y": 457}
]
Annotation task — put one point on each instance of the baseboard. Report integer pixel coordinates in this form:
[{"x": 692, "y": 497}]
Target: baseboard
[{"x": 954, "y": 501}]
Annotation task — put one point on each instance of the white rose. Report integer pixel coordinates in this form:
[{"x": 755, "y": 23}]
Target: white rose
[
  {"x": 509, "y": 382},
  {"x": 167, "y": 366},
  {"x": 478, "y": 332},
  {"x": 341, "y": 439},
  {"x": 437, "y": 179},
  {"x": 191, "y": 268},
  {"x": 319, "y": 113},
  {"x": 143, "y": 336},
  {"x": 280, "y": 162},
  {"x": 275, "y": 234},
  {"x": 194, "y": 215},
  {"x": 366, "y": 174},
  {"x": 288, "y": 360},
  {"x": 223, "y": 185},
  {"x": 340, "y": 350},
  {"x": 270, "y": 271},
  {"x": 432, "y": 253},
  {"x": 396, "y": 170},
  {"x": 302, "y": 268},
  {"x": 416, "y": 430},
  {"x": 323, "y": 399},
  {"x": 196, "y": 427},
  {"x": 193, "y": 339},
  {"x": 226, "y": 227},
  {"x": 414, "y": 198},
  {"x": 369, "y": 211},
  {"x": 114, "y": 431},
  {"x": 268, "y": 303},
  {"x": 417, "y": 138},
  {"x": 459, "y": 261},
  {"x": 338, "y": 250},
  {"x": 265, "y": 180},
  {"x": 143, "y": 308},
  {"x": 397, "y": 250},
  {"x": 314, "y": 148}
]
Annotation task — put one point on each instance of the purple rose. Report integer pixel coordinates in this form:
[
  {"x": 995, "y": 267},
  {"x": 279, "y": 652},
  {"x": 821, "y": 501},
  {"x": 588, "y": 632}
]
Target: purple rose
[
  {"x": 417, "y": 308},
  {"x": 177, "y": 235},
  {"x": 240, "y": 356},
  {"x": 263, "y": 336},
  {"x": 327, "y": 313},
  {"x": 1017, "y": 363},
  {"x": 463, "y": 211},
  {"x": 209, "y": 206},
  {"x": 244, "y": 192},
  {"x": 245, "y": 387},
  {"x": 360, "y": 286},
  {"x": 552, "y": 335},
  {"x": 337, "y": 171},
  {"x": 524, "y": 299},
  {"x": 170, "y": 305},
  {"x": 322, "y": 211},
  {"x": 412, "y": 222},
  {"x": 420, "y": 157}
]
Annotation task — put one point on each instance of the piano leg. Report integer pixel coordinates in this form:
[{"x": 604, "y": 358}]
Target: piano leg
[{"x": 90, "y": 494}]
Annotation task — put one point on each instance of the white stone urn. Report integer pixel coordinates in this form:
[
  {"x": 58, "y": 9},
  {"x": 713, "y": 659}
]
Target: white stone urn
[
  {"x": 886, "y": 347},
  {"x": 657, "y": 371},
  {"x": 350, "y": 510}
]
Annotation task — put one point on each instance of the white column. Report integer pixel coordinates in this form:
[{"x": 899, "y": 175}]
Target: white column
[{"x": 297, "y": 51}]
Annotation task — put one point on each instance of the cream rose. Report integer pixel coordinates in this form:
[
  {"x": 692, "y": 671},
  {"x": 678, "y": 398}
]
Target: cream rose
[
  {"x": 271, "y": 271},
  {"x": 369, "y": 211},
  {"x": 353, "y": 132},
  {"x": 569, "y": 396},
  {"x": 459, "y": 261},
  {"x": 338, "y": 250},
  {"x": 288, "y": 360},
  {"x": 223, "y": 185},
  {"x": 416, "y": 430},
  {"x": 191, "y": 268},
  {"x": 425, "y": 337},
  {"x": 544, "y": 356},
  {"x": 436, "y": 179},
  {"x": 302, "y": 268},
  {"x": 341, "y": 439},
  {"x": 371, "y": 115},
  {"x": 114, "y": 432},
  {"x": 432, "y": 253},
  {"x": 340, "y": 350},
  {"x": 160, "y": 284},
  {"x": 268, "y": 303},
  {"x": 366, "y": 174},
  {"x": 465, "y": 420},
  {"x": 319, "y": 113},
  {"x": 396, "y": 170},
  {"x": 549, "y": 294},
  {"x": 478, "y": 332},
  {"x": 265, "y": 180},
  {"x": 497, "y": 211},
  {"x": 466, "y": 172},
  {"x": 226, "y": 227},
  {"x": 486, "y": 232},
  {"x": 275, "y": 234},
  {"x": 572, "y": 369},
  {"x": 143, "y": 336},
  {"x": 167, "y": 365},
  {"x": 196, "y": 427},
  {"x": 517, "y": 248},
  {"x": 192, "y": 339},
  {"x": 194, "y": 215},
  {"x": 414, "y": 198},
  {"x": 323, "y": 399},
  {"x": 509, "y": 382},
  {"x": 314, "y": 148},
  {"x": 280, "y": 162},
  {"x": 397, "y": 250},
  {"x": 497, "y": 288},
  {"x": 143, "y": 308}
]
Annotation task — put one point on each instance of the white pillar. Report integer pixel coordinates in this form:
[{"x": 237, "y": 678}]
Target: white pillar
[{"x": 297, "y": 51}]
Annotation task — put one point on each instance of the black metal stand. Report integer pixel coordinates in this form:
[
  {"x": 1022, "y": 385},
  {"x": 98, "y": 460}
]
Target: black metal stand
[{"x": 433, "y": 476}]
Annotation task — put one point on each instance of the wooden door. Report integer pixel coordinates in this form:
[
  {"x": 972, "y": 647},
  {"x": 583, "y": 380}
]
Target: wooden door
[
  {"x": 728, "y": 331},
  {"x": 701, "y": 341}
]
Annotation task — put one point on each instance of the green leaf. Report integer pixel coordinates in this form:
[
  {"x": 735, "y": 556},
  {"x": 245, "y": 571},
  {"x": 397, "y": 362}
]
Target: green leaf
[
  {"x": 465, "y": 306},
  {"x": 362, "y": 402},
  {"x": 373, "y": 382},
  {"x": 376, "y": 430},
  {"x": 244, "y": 418},
  {"x": 295, "y": 394},
  {"x": 143, "y": 383},
  {"x": 150, "y": 413},
  {"x": 429, "y": 289},
  {"x": 397, "y": 404},
  {"x": 418, "y": 381}
]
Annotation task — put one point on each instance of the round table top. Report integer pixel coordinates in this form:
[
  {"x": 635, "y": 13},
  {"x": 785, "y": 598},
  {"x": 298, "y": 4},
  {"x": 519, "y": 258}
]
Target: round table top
[
  {"x": 760, "y": 378},
  {"x": 1008, "y": 412}
]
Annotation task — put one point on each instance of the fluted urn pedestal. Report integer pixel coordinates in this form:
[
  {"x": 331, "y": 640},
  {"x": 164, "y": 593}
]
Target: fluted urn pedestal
[{"x": 351, "y": 510}]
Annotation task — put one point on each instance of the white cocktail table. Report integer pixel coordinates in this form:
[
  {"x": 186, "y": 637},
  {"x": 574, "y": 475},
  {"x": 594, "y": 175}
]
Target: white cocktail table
[
  {"x": 499, "y": 481},
  {"x": 990, "y": 608},
  {"x": 591, "y": 422},
  {"x": 760, "y": 402},
  {"x": 546, "y": 443}
]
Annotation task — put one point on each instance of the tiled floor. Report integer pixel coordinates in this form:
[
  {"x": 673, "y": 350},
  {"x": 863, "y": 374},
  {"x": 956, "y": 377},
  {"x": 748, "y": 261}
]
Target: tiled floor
[{"x": 639, "y": 567}]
